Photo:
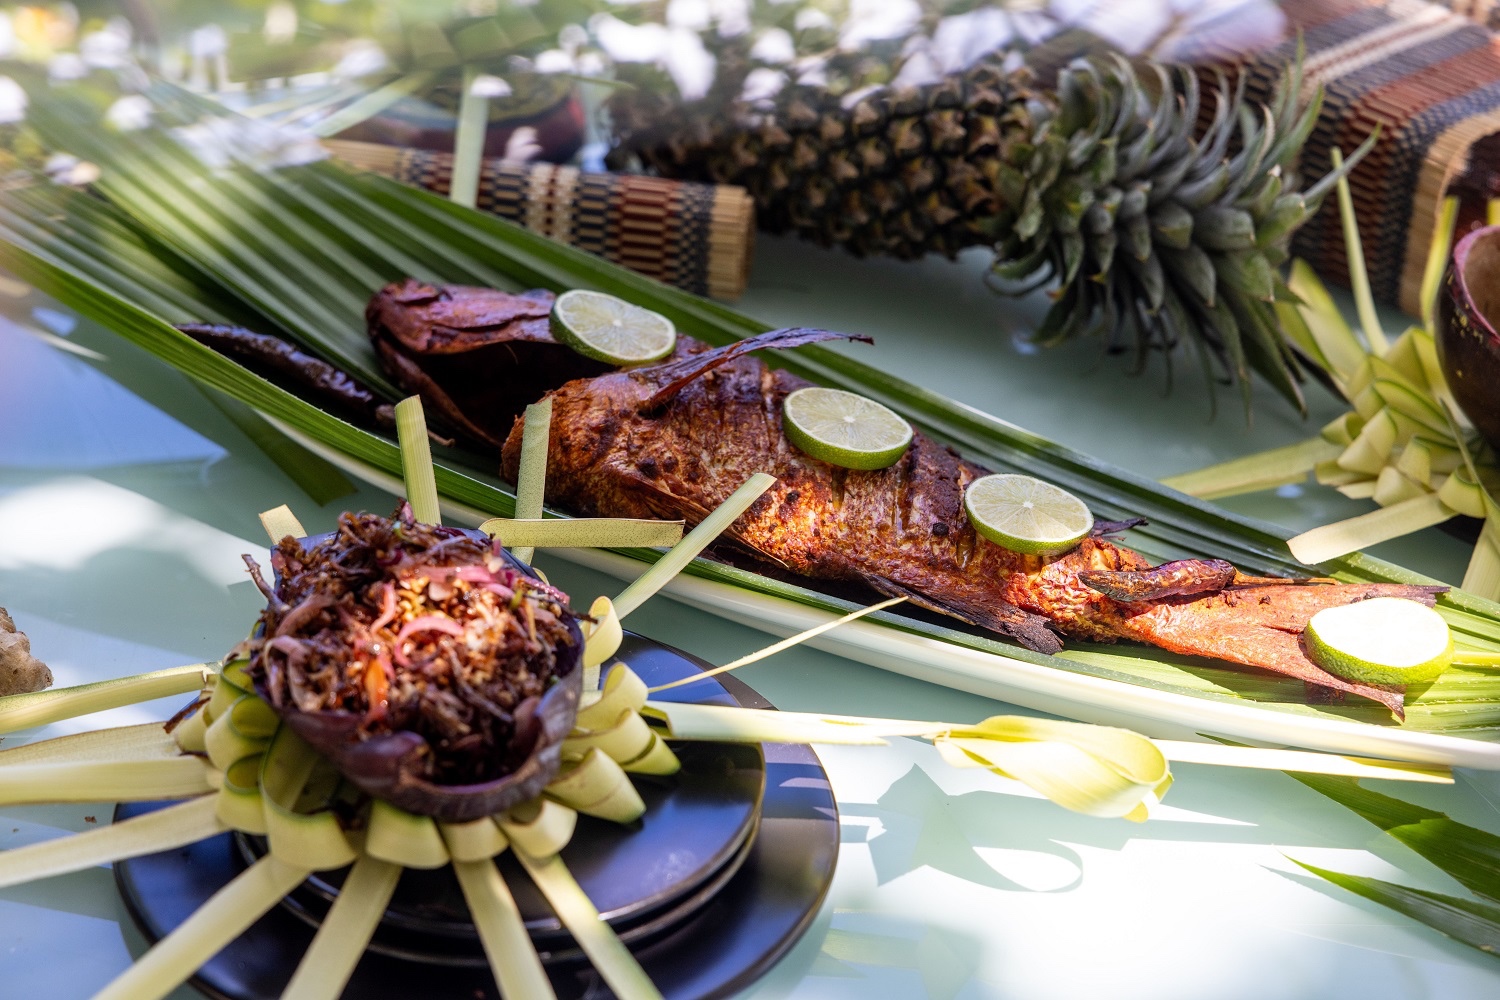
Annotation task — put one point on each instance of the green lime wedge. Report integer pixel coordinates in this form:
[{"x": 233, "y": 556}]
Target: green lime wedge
[
  {"x": 844, "y": 428},
  {"x": 611, "y": 330},
  {"x": 1384, "y": 640},
  {"x": 1027, "y": 515}
]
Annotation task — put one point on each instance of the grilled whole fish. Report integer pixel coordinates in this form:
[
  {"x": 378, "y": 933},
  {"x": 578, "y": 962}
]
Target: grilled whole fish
[{"x": 675, "y": 439}]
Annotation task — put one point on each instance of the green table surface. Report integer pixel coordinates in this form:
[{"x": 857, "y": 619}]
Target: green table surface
[{"x": 126, "y": 499}]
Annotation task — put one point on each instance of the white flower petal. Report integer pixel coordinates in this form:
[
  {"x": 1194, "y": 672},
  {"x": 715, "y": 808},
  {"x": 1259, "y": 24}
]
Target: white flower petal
[
  {"x": 12, "y": 101},
  {"x": 774, "y": 46},
  {"x": 762, "y": 84},
  {"x": 693, "y": 15},
  {"x": 555, "y": 61},
  {"x": 485, "y": 85},
  {"x": 690, "y": 65},
  {"x": 624, "y": 42},
  {"x": 129, "y": 113}
]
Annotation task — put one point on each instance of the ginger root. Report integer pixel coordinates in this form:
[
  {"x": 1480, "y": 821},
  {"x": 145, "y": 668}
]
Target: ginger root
[{"x": 19, "y": 670}]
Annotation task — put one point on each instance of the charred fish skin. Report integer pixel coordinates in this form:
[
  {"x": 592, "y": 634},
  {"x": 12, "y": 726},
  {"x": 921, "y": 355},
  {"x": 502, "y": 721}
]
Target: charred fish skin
[{"x": 900, "y": 530}]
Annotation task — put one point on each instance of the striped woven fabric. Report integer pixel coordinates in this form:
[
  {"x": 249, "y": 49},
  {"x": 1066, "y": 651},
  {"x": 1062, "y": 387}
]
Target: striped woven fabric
[
  {"x": 695, "y": 236},
  {"x": 1426, "y": 74},
  {"x": 1429, "y": 78}
]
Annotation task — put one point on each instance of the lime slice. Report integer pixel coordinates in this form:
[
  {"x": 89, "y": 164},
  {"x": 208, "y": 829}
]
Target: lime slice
[
  {"x": 1384, "y": 640},
  {"x": 1027, "y": 515},
  {"x": 611, "y": 330},
  {"x": 844, "y": 428}
]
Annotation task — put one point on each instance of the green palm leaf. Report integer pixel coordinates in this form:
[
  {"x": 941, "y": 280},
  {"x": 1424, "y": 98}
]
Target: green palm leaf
[{"x": 298, "y": 250}]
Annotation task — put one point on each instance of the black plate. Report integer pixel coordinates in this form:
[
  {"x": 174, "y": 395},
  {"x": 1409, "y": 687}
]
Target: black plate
[{"x": 710, "y": 943}]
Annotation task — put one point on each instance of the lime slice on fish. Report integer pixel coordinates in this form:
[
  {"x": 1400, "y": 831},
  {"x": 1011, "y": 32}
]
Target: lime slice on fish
[
  {"x": 611, "y": 330},
  {"x": 1027, "y": 515},
  {"x": 1384, "y": 640},
  {"x": 844, "y": 428}
]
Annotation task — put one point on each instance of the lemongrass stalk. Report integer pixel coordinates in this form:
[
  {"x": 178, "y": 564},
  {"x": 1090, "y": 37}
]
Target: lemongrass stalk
[
  {"x": 1474, "y": 658},
  {"x": 522, "y": 537},
  {"x": 226, "y": 915},
  {"x": 162, "y": 830},
  {"x": 147, "y": 741},
  {"x": 280, "y": 522},
  {"x": 1302, "y": 761},
  {"x": 39, "y": 708},
  {"x": 345, "y": 932},
  {"x": 1437, "y": 260},
  {"x": 1359, "y": 278},
  {"x": 531, "y": 474},
  {"x": 468, "y": 141},
  {"x": 669, "y": 565},
  {"x": 104, "y": 781},
  {"x": 611, "y": 959},
  {"x": 371, "y": 104},
  {"x": 1339, "y": 539},
  {"x": 777, "y": 647},
  {"x": 1262, "y": 471},
  {"x": 416, "y": 461},
  {"x": 513, "y": 959}
]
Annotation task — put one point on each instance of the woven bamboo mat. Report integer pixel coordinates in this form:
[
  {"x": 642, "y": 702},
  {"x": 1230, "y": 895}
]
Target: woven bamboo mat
[{"x": 695, "y": 236}]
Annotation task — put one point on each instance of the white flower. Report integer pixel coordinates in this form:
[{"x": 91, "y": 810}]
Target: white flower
[
  {"x": 522, "y": 145},
  {"x": 691, "y": 14},
  {"x": 555, "y": 61},
  {"x": 281, "y": 23},
  {"x": 963, "y": 39},
  {"x": 63, "y": 168},
  {"x": 878, "y": 20},
  {"x": 809, "y": 18},
  {"x": 762, "y": 84},
  {"x": 591, "y": 64},
  {"x": 624, "y": 42},
  {"x": 690, "y": 65},
  {"x": 774, "y": 46},
  {"x": 109, "y": 47},
  {"x": 732, "y": 17},
  {"x": 219, "y": 142},
  {"x": 12, "y": 101},
  {"x": 918, "y": 70},
  {"x": 129, "y": 113},
  {"x": 571, "y": 38},
  {"x": 485, "y": 85},
  {"x": 209, "y": 40},
  {"x": 361, "y": 58},
  {"x": 66, "y": 66}
]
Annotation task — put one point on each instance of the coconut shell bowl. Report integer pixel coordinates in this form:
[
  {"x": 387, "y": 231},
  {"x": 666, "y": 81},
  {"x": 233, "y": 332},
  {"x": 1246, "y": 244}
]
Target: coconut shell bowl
[{"x": 1467, "y": 342}]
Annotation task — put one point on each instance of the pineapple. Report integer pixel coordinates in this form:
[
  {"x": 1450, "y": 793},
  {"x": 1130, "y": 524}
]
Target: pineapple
[{"x": 1156, "y": 229}]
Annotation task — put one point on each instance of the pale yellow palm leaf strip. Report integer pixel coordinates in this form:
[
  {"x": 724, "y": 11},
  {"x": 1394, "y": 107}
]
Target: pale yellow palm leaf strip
[
  {"x": 40, "y": 708},
  {"x": 514, "y": 961},
  {"x": 416, "y": 461},
  {"x": 104, "y": 781},
  {"x": 531, "y": 475},
  {"x": 280, "y": 523},
  {"x": 669, "y": 565},
  {"x": 147, "y": 741},
  {"x": 224, "y": 917},
  {"x": 784, "y": 644},
  {"x": 521, "y": 537},
  {"x": 345, "y": 932},
  {"x": 162, "y": 830}
]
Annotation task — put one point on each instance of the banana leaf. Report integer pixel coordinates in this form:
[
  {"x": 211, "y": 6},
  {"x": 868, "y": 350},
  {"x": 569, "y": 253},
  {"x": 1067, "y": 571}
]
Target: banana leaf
[{"x": 297, "y": 250}]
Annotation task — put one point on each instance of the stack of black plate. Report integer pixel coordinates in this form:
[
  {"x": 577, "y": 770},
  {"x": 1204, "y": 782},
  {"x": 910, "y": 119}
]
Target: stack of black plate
[{"x": 714, "y": 884}]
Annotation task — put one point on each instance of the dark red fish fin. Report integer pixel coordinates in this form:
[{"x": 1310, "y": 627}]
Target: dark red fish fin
[
  {"x": 1173, "y": 579},
  {"x": 1104, "y": 528},
  {"x": 1026, "y": 628},
  {"x": 679, "y": 373}
]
